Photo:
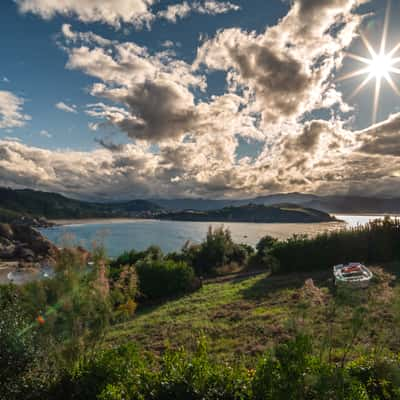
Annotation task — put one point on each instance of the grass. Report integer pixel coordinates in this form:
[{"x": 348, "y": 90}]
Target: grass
[{"x": 242, "y": 318}]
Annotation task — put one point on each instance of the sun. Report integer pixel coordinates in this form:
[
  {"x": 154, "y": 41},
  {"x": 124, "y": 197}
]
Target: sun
[{"x": 379, "y": 66}]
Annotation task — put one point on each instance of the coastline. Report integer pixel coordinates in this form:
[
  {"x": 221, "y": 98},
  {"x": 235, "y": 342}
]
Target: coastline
[{"x": 95, "y": 221}]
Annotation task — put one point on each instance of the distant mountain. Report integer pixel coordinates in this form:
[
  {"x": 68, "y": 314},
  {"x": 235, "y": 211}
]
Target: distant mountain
[
  {"x": 329, "y": 204},
  {"x": 31, "y": 203},
  {"x": 55, "y": 206},
  {"x": 253, "y": 213}
]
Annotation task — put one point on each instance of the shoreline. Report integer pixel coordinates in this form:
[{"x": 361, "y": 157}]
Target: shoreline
[
  {"x": 94, "y": 221},
  {"x": 116, "y": 221}
]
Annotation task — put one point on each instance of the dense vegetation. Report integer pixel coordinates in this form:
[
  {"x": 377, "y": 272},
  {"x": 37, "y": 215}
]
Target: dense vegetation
[
  {"x": 253, "y": 213},
  {"x": 377, "y": 241},
  {"x": 7, "y": 216},
  {"x": 45, "y": 360},
  {"x": 289, "y": 371},
  {"x": 267, "y": 337},
  {"x": 55, "y": 206}
]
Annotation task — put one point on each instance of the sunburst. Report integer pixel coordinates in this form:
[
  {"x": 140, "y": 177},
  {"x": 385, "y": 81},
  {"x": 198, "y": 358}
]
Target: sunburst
[{"x": 379, "y": 66}]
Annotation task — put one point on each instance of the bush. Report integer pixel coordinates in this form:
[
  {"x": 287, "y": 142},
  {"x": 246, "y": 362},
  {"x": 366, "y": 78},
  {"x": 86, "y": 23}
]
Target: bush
[
  {"x": 163, "y": 278},
  {"x": 289, "y": 371},
  {"x": 263, "y": 259},
  {"x": 131, "y": 258},
  {"x": 378, "y": 241},
  {"x": 216, "y": 251},
  {"x": 18, "y": 344},
  {"x": 380, "y": 377}
]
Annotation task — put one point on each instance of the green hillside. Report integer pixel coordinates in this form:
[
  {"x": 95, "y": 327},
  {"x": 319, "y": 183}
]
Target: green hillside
[
  {"x": 56, "y": 206},
  {"x": 253, "y": 213},
  {"x": 244, "y": 317}
]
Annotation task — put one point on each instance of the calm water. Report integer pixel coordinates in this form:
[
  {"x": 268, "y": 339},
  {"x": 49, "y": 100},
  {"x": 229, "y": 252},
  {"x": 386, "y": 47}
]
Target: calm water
[{"x": 172, "y": 235}]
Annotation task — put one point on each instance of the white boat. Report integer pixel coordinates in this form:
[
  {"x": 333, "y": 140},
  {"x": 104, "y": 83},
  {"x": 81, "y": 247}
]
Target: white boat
[{"x": 354, "y": 275}]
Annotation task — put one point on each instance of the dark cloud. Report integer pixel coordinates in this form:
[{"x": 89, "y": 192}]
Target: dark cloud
[{"x": 383, "y": 138}]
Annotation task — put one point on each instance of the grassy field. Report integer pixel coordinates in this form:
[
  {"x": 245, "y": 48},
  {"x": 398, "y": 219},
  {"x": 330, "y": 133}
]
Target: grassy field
[{"x": 243, "y": 317}]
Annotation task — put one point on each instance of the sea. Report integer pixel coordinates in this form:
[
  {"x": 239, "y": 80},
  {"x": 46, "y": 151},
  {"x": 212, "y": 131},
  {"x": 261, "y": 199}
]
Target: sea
[{"x": 122, "y": 235}]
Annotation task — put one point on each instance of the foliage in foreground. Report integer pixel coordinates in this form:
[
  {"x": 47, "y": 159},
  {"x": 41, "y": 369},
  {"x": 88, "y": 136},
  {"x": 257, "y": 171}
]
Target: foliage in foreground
[{"x": 289, "y": 371}]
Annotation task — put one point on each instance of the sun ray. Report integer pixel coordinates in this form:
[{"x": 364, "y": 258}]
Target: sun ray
[
  {"x": 394, "y": 50},
  {"x": 360, "y": 86},
  {"x": 378, "y": 85},
  {"x": 353, "y": 74},
  {"x": 358, "y": 58},
  {"x": 392, "y": 84},
  {"x": 380, "y": 65},
  {"x": 395, "y": 70},
  {"x": 385, "y": 27},
  {"x": 368, "y": 45}
]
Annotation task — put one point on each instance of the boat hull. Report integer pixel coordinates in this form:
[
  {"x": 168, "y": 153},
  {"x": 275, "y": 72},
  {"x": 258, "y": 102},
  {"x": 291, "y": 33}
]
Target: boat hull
[{"x": 353, "y": 275}]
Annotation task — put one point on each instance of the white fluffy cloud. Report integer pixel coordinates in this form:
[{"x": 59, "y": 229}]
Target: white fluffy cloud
[
  {"x": 182, "y": 10},
  {"x": 116, "y": 12},
  {"x": 112, "y": 12},
  {"x": 153, "y": 94},
  {"x": 321, "y": 156},
  {"x": 65, "y": 107},
  {"x": 11, "y": 112},
  {"x": 287, "y": 69}
]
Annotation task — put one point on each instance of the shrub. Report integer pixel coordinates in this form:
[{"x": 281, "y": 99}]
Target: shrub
[
  {"x": 124, "y": 291},
  {"x": 216, "y": 251},
  {"x": 263, "y": 259},
  {"x": 123, "y": 374},
  {"x": 74, "y": 306},
  {"x": 163, "y": 278},
  {"x": 288, "y": 371},
  {"x": 378, "y": 241},
  {"x": 380, "y": 377},
  {"x": 18, "y": 344},
  {"x": 131, "y": 258}
]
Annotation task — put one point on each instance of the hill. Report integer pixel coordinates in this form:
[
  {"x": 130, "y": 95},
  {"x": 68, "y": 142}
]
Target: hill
[
  {"x": 252, "y": 213},
  {"x": 330, "y": 204},
  {"x": 16, "y": 203},
  {"x": 245, "y": 316}
]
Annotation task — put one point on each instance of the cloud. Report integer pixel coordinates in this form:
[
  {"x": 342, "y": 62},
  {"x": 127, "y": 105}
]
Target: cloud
[
  {"x": 382, "y": 138},
  {"x": 168, "y": 44},
  {"x": 117, "y": 12},
  {"x": 152, "y": 95},
  {"x": 276, "y": 81},
  {"x": 111, "y": 12},
  {"x": 45, "y": 133},
  {"x": 11, "y": 113},
  {"x": 321, "y": 156},
  {"x": 182, "y": 10},
  {"x": 65, "y": 107},
  {"x": 286, "y": 71}
]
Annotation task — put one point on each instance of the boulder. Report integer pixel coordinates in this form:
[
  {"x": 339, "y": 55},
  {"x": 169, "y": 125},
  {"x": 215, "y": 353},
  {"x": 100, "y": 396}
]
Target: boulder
[
  {"x": 6, "y": 231},
  {"x": 34, "y": 239},
  {"x": 7, "y": 251},
  {"x": 26, "y": 254},
  {"x": 22, "y": 242}
]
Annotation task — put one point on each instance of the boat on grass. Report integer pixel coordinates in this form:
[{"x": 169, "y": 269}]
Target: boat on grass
[{"x": 354, "y": 275}]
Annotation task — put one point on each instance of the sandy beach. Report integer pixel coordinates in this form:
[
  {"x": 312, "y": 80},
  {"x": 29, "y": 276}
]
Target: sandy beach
[{"x": 94, "y": 221}]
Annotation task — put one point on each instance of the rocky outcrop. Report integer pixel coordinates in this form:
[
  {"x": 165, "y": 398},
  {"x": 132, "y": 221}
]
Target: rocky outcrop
[{"x": 20, "y": 242}]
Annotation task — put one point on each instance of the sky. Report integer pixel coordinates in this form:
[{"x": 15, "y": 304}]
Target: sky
[{"x": 122, "y": 99}]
